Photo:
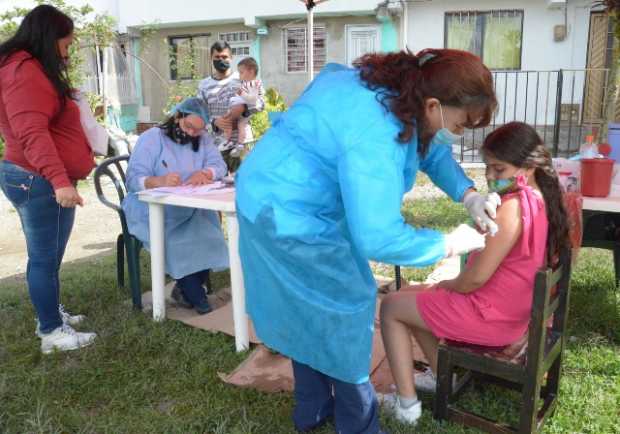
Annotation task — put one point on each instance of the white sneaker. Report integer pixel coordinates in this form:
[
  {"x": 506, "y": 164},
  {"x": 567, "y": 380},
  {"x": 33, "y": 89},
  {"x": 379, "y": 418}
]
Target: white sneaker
[
  {"x": 64, "y": 338},
  {"x": 66, "y": 317},
  {"x": 391, "y": 404},
  {"x": 425, "y": 381}
]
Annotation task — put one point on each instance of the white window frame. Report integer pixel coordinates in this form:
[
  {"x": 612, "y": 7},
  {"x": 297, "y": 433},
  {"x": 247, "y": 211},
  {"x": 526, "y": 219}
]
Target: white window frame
[
  {"x": 243, "y": 40},
  {"x": 521, "y": 12},
  {"x": 350, "y": 27},
  {"x": 285, "y": 46}
]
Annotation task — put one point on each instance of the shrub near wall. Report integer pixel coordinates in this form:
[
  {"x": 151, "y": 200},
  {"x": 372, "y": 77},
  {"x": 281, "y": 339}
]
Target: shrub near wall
[{"x": 260, "y": 121}]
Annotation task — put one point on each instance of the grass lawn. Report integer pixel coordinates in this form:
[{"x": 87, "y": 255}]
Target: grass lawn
[{"x": 146, "y": 377}]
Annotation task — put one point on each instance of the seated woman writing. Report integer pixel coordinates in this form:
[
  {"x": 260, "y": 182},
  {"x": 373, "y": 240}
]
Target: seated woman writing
[
  {"x": 489, "y": 302},
  {"x": 178, "y": 152}
]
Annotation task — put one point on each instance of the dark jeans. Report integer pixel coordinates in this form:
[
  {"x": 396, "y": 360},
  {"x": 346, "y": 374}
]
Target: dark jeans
[
  {"x": 319, "y": 397},
  {"x": 47, "y": 227}
]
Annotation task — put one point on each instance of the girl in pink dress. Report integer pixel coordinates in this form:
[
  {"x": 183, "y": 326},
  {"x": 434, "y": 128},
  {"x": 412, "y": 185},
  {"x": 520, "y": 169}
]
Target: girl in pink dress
[{"x": 489, "y": 302}]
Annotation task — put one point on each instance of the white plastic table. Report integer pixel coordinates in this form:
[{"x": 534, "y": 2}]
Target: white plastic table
[
  {"x": 604, "y": 204},
  {"x": 224, "y": 202},
  {"x": 601, "y": 222}
]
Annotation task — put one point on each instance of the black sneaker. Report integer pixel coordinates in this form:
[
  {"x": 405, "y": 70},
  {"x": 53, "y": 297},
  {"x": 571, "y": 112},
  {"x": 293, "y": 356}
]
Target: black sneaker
[
  {"x": 178, "y": 296},
  {"x": 203, "y": 308}
]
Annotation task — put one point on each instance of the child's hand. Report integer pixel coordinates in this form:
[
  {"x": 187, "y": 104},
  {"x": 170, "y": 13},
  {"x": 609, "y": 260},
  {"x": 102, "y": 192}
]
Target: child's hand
[{"x": 249, "y": 93}]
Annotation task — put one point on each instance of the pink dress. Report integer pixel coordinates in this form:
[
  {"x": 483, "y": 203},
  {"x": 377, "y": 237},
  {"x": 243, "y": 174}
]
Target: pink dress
[{"x": 497, "y": 313}]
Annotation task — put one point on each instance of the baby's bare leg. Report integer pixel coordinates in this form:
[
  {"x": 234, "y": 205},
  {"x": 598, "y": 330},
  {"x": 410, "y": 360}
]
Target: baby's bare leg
[
  {"x": 241, "y": 127},
  {"x": 234, "y": 114}
]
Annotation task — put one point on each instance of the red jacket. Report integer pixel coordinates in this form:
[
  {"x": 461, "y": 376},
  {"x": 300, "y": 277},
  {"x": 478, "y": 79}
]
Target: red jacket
[{"x": 39, "y": 136}]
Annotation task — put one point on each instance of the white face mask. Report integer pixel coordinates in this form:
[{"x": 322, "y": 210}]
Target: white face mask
[{"x": 444, "y": 136}]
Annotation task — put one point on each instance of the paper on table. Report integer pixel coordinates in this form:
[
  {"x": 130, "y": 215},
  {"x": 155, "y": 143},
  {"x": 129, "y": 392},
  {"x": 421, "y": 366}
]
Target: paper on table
[{"x": 189, "y": 190}]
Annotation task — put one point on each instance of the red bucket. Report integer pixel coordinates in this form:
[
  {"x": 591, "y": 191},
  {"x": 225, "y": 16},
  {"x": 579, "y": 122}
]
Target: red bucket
[{"x": 596, "y": 176}]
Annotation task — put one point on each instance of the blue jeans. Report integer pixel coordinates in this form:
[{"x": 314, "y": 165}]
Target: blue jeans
[
  {"x": 47, "y": 227},
  {"x": 319, "y": 398}
]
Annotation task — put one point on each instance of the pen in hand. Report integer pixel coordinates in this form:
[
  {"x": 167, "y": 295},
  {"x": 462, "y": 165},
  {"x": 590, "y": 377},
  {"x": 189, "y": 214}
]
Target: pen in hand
[{"x": 170, "y": 179}]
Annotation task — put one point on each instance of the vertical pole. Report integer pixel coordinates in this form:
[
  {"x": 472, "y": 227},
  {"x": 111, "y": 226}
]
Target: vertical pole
[
  {"x": 558, "y": 113},
  {"x": 240, "y": 317},
  {"x": 404, "y": 24},
  {"x": 103, "y": 79},
  {"x": 310, "y": 44},
  {"x": 156, "y": 223}
]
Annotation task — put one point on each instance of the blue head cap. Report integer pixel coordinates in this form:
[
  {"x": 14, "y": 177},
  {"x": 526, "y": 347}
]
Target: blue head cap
[{"x": 193, "y": 106}]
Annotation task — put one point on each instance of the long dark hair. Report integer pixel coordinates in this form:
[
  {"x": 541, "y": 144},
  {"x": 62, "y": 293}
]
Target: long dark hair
[
  {"x": 38, "y": 34},
  {"x": 520, "y": 145},
  {"x": 169, "y": 124},
  {"x": 404, "y": 81}
]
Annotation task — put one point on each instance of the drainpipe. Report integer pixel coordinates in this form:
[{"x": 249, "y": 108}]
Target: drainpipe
[
  {"x": 310, "y": 41},
  {"x": 310, "y": 4},
  {"x": 404, "y": 29}
]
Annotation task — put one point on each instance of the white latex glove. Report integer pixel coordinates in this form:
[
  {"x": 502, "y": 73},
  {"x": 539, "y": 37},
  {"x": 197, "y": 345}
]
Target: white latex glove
[
  {"x": 463, "y": 240},
  {"x": 483, "y": 210}
]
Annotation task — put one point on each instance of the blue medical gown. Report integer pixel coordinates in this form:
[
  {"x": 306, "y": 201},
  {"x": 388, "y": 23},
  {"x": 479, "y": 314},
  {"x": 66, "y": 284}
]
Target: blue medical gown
[
  {"x": 193, "y": 238},
  {"x": 318, "y": 197}
]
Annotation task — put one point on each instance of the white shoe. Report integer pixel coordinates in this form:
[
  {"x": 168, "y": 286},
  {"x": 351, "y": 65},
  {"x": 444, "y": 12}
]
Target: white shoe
[
  {"x": 425, "y": 381},
  {"x": 391, "y": 404},
  {"x": 64, "y": 338},
  {"x": 66, "y": 318}
]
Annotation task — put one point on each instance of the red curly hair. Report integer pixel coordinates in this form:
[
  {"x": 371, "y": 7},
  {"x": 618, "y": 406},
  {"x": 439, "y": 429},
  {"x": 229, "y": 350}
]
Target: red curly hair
[{"x": 404, "y": 81}]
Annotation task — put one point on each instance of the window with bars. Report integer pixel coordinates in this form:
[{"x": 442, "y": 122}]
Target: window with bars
[
  {"x": 295, "y": 48},
  {"x": 232, "y": 37},
  {"x": 243, "y": 50},
  {"x": 495, "y": 36}
]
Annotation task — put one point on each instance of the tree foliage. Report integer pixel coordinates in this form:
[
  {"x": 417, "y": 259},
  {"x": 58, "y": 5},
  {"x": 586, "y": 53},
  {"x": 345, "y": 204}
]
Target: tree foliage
[{"x": 91, "y": 30}]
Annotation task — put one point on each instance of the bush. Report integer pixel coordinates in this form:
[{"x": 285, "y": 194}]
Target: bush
[{"x": 260, "y": 121}]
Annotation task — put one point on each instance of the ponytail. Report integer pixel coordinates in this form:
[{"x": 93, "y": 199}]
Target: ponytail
[{"x": 547, "y": 180}]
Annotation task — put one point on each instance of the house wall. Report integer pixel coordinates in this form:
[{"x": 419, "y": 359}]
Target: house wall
[
  {"x": 137, "y": 13},
  {"x": 519, "y": 95},
  {"x": 154, "y": 50},
  {"x": 273, "y": 65},
  {"x": 267, "y": 49}
]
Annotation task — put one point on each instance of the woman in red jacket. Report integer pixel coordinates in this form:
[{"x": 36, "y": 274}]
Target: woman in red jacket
[{"x": 46, "y": 154}]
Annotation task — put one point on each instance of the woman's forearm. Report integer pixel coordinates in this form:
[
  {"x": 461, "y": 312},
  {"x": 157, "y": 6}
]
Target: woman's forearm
[{"x": 152, "y": 182}]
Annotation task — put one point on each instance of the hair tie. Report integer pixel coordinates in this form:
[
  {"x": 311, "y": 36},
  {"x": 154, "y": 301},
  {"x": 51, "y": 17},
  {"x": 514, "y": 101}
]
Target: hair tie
[{"x": 425, "y": 58}]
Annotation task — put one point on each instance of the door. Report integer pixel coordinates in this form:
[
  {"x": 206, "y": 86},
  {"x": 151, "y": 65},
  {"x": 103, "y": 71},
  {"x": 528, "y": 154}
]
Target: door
[
  {"x": 600, "y": 46},
  {"x": 361, "y": 39}
]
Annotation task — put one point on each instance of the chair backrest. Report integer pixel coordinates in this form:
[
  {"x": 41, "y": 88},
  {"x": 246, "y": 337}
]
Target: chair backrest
[
  {"x": 551, "y": 297},
  {"x": 112, "y": 168}
]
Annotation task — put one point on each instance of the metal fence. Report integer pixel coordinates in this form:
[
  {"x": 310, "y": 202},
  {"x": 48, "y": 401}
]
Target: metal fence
[{"x": 563, "y": 105}]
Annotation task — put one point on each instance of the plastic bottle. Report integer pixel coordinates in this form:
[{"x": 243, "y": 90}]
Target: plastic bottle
[{"x": 588, "y": 148}]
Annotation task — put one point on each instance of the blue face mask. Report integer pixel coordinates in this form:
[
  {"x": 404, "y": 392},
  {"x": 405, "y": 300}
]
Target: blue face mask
[
  {"x": 501, "y": 186},
  {"x": 444, "y": 136},
  {"x": 507, "y": 185}
]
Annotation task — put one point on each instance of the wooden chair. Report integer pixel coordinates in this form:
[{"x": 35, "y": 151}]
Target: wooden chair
[{"x": 536, "y": 373}]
